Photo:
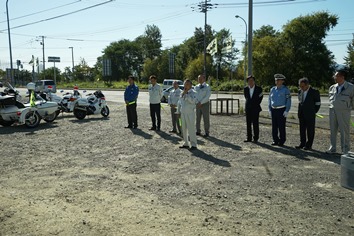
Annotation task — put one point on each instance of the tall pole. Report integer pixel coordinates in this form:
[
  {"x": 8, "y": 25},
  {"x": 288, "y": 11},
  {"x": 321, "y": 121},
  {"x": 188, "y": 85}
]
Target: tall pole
[
  {"x": 205, "y": 29},
  {"x": 9, "y": 34},
  {"x": 72, "y": 58},
  {"x": 250, "y": 35},
  {"x": 245, "y": 52},
  {"x": 43, "y": 52}
]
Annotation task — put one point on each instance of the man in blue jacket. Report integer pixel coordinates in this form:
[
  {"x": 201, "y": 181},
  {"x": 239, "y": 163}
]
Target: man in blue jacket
[
  {"x": 279, "y": 105},
  {"x": 130, "y": 96}
]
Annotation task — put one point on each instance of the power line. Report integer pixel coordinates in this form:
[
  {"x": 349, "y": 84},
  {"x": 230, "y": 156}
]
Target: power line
[
  {"x": 36, "y": 13},
  {"x": 59, "y": 16}
]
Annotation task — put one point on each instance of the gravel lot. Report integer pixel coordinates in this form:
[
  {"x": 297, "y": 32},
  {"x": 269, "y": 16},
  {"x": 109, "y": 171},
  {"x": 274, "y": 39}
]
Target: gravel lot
[{"x": 93, "y": 177}]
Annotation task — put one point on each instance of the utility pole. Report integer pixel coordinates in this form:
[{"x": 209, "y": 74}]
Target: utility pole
[
  {"x": 42, "y": 43},
  {"x": 204, "y": 7},
  {"x": 245, "y": 52},
  {"x": 72, "y": 58},
  {"x": 250, "y": 35},
  {"x": 9, "y": 34}
]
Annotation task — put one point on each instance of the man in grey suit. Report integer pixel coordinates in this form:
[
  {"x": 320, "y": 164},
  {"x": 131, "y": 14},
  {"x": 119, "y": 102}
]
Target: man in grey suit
[
  {"x": 203, "y": 95},
  {"x": 341, "y": 102}
]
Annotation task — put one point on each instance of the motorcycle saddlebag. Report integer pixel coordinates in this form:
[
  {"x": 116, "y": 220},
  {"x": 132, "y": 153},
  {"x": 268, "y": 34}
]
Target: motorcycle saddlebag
[{"x": 7, "y": 100}]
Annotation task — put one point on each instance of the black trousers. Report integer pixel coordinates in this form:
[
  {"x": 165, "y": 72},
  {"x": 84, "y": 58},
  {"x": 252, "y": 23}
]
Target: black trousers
[
  {"x": 155, "y": 113},
  {"x": 278, "y": 126},
  {"x": 132, "y": 115},
  {"x": 252, "y": 119},
  {"x": 307, "y": 126}
]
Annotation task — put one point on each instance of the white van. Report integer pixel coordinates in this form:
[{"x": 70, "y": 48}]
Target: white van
[{"x": 169, "y": 82}]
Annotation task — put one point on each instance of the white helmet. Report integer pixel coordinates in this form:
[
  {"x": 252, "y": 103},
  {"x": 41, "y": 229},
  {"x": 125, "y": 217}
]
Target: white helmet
[{"x": 31, "y": 86}]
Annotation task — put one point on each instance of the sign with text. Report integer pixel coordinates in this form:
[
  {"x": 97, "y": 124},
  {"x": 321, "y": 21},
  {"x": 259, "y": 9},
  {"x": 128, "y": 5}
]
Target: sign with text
[{"x": 53, "y": 59}]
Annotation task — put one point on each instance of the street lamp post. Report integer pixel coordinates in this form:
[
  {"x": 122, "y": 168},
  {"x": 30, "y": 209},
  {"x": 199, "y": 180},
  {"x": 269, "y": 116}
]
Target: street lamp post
[
  {"x": 9, "y": 34},
  {"x": 245, "y": 52},
  {"x": 72, "y": 58}
]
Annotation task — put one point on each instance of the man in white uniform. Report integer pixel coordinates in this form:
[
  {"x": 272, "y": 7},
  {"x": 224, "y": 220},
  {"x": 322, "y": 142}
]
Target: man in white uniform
[
  {"x": 155, "y": 95},
  {"x": 341, "y": 102},
  {"x": 186, "y": 107},
  {"x": 203, "y": 95},
  {"x": 173, "y": 98}
]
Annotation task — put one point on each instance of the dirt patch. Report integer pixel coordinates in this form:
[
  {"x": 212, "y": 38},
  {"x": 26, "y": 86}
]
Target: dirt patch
[{"x": 93, "y": 177}]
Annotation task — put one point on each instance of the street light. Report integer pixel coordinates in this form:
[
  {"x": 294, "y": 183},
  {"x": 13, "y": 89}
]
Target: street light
[
  {"x": 72, "y": 58},
  {"x": 8, "y": 32},
  {"x": 237, "y": 16}
]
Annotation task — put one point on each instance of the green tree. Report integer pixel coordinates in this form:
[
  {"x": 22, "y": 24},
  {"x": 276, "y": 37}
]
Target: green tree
[
  {"x": 83, "y": 72},
  {"x": 349, "y": 59},
  {"x": 48, "y": 73},
  {"x": 150, "y": 42}
]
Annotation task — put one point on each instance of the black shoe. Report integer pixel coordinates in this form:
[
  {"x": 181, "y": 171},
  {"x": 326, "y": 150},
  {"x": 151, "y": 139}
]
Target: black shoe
[
  {"x": 158, "y": 129},
  {"x": 255, "y": 141},
  {"x": 192, "y": 148},
  {"x": 247, "y": 140},
  {"x": 274, "y": 143},
  {"x": 128, "y": 127},
  {"x": 307, "y": 148},
  {"x": 152, "y": 128},
  {"x": 206, "y": 135},
  {"x": 173, "y": 131},
  {"x": 281, "y": 144},
  {"x": 183, "y": 146},
  {"x": 299, "y": 147},
  {"x": 198, "y": 133},
  {"x": 135, "y": 127}
]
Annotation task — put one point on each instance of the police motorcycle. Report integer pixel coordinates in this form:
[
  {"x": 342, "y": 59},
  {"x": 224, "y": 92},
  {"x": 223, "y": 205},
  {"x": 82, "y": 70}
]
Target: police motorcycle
[
  {"x": 30, "y": 114},
  {"x": 94, "y": 103}
]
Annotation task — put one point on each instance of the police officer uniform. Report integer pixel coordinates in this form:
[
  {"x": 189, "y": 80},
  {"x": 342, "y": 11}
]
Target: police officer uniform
[
  {"x": 341, "y": 102},
  {"x": 173, "y": 98},
  {"x": 279, "y": 104},
  {"x": 186, "y": 107},
  {"x": 155, "y": 95}
]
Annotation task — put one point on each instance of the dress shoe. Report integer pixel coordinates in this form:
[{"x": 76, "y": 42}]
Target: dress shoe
[
  {"x": 173, "y": 131},
  {"x": 331, "y": 151},
  {"x": 128, "y": 127},
  {"x": 274, "y": 143},
  {"x": 247, "y": 140},
  {"x": 158, "y": 129},
  {"x": 299, "y": 147},
  {"x": 308, "y": 148},
  {"x": 183, "y": 146},
  {"x": 206, "y": 135},
  {"x": 192, "y": 148},
  {"x": 135, "y": 127},
  {"x": 152, "y": 128},
  {"x": 281, "y": 144},
  {"x": 255, "y": 141},
  {"x": 198, "y": 133}
]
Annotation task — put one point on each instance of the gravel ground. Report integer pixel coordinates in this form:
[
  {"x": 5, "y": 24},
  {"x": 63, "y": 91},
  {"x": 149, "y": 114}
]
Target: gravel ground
[{"x": 93, "y": 177}]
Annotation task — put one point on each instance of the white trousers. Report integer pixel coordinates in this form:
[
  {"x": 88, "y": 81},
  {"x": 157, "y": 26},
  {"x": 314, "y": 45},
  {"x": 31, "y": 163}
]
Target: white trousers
[
  {"x": 188, "y": 129},
  {"x": 340, "y": 120}
]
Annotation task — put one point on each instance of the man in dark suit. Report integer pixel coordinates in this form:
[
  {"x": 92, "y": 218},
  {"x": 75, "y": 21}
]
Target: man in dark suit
[
  {"x": 253, "y": 95},
  {"x": 309, "y": 104}
]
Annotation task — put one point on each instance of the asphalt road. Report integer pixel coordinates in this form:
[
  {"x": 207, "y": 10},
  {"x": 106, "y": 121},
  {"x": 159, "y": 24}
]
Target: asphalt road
[{"x": 117, "y": 96}]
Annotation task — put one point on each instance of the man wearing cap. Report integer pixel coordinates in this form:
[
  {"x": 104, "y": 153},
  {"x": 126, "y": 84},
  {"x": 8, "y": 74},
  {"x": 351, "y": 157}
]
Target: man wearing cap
[
  {"x": 173, "y": 98},
  {"x": 253, "y": 95},
  {"x": 309, "y": 104},
  {"x": 155, "y": 95},
  {"x": 203, "y": 95},
  {"x": 130, "y": 96},
  {"x": 279, "y": 104},
  {"x": 341, "y": 102}
]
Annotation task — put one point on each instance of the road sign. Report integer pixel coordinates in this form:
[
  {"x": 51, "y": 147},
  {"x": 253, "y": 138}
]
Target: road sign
[{"x": 53, "y": 59}]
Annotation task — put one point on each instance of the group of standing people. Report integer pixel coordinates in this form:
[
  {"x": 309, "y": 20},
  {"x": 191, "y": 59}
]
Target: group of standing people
[
  {"x": 341, "y": 102},
  {"x": 188, "y": 107}
]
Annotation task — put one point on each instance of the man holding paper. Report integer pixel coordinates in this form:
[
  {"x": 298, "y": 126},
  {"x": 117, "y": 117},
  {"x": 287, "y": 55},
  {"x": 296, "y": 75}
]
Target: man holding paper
[{"x": 130, "y": 96}]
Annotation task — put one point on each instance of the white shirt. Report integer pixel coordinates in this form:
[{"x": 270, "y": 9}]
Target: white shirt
[
  {"x": 155, "y": 94},
  {"x": 187, "y": 102},
  {"x": 305, "y": 94},
  {"x": 174, "y": 95},
  {"x": 203, "y": 92},
  {"x": 251, "y": 91}
]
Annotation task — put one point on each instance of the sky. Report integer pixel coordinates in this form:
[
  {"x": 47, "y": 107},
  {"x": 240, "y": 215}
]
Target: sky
[{"x": 92, "y": 27}]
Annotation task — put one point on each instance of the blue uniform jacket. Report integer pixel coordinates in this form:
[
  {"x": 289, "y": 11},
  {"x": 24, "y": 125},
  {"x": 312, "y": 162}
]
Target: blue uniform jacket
[
  {"x": 131, "y": 93},
  {"x": 279, "y": 97}
]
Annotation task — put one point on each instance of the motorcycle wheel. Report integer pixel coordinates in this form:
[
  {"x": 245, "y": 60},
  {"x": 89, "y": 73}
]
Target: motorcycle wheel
[
  {"x": 32, "y": 119},
  {"x": 79, "y": 114},
  {"x": 105, "y": 111},
  {"x": 6, "y": 123},
  {"x": 50, "y": 118}
]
